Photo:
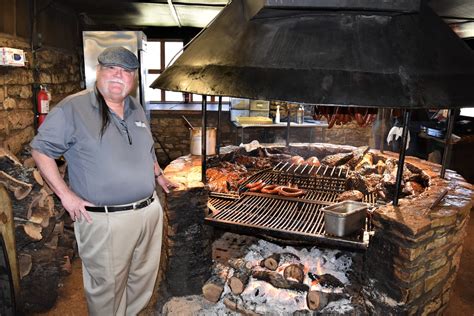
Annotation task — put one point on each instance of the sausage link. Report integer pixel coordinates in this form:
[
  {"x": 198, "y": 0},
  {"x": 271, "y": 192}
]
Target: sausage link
[{"x": 253, "y": 184}]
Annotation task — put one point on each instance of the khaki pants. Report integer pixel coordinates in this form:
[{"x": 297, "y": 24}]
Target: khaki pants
[{"x": 120, "y": 255}]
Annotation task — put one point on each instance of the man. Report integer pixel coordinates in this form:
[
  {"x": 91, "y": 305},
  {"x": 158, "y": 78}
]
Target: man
[{"x": 105, "y": 138}]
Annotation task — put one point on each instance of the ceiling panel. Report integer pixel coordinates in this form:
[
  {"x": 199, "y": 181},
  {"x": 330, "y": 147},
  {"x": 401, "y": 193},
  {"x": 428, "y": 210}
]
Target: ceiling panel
[
  {"x": 198, "y": 13},
  {"x": 196, "y": 16}
]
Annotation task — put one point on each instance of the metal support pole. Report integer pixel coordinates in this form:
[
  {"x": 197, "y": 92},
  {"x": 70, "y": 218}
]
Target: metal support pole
[
  {"x": 382, "y": 132},
  {"x": 448, "y": 143},
  {"x": 401, "y": 157},
  {"x": 288, "y": 116},
  {"x": 219, "y": 112},
  {"x": 204, "y": 139}
]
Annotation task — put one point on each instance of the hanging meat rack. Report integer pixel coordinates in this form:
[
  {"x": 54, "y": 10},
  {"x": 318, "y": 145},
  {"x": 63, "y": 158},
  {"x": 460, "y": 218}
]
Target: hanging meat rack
[{"x": 290, "y": 218}]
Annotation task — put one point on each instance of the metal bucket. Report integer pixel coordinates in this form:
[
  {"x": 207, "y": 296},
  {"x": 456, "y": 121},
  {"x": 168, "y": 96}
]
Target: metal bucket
[{"x": 195, "y": 139}]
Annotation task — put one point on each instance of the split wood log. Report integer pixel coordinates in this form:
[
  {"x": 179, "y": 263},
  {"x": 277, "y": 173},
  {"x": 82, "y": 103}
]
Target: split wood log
[
  {"x": 25, "y": 263},
  {"x": 29, "y": 163},
  {"x": 19, "y": 188},
  {"x": 33, "y": 231},
  {"x": 52, "y": 243},
  {"x": 9, "y": 158},
  {"x": 239, "y": 307},
  {"x": 239, "y": 280},
  {"x": 274, "y": 260},
  {"x": 214, "y": 287},
  {"x": 295, "y": 272},
  {"x": 38, "y": 177},
  {"x": 278, "y": 281},
  {"x": 239, "y": 264},
  {"x": 328, "y": 280},
  {"x": 40, "y": 211},
  {"x": 317, "y": 300},
  {"x": 271, "y": 262}
]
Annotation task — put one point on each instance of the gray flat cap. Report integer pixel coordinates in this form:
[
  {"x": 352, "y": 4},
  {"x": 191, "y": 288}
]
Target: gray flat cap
[{"x": 118, "y": 56}]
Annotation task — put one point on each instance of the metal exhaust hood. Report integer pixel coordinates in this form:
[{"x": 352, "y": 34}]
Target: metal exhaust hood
[{"x": 369, "y": 53}]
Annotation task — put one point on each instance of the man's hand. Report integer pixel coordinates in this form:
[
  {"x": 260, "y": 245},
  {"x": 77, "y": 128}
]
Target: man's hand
[
  {"x": 165, "y": 183},
  {"x": 75, "y": 206}
]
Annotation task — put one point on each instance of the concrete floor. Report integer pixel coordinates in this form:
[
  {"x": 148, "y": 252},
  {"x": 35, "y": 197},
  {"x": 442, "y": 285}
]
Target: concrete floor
[{"x": 71, "y": 301}]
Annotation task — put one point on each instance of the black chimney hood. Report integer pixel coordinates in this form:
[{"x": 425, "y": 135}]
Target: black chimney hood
[{"x": 368, "y": 53}]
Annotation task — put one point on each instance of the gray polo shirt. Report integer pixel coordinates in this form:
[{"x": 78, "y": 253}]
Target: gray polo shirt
[{"x": 117, "y": 169}]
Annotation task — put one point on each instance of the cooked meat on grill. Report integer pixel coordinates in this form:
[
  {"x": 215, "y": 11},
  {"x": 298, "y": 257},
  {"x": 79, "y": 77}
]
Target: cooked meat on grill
[
  {"x": 291, "y": 192},
  {"x": 226, "y": 177},
  {"x": 337, "y": 159},
  {"x": 365, "y": 184},
  {"x": 352, "y": 195},
  {"x": 271, "y": 189},
  {"x": 254, "y": 162},
  {"x": 313, "y": 161},
  {"x": 219, "y": 185},
  {"x": 356, "y": 181},
  {"x": 358, "y": 154},
  {"x": 371, "y": 181},
  {"x": 366, "y": 162},
  {"x": 380, "y": 166},
  {"x": 277, "y": 157},
  {"x": 297, "y": 160}
]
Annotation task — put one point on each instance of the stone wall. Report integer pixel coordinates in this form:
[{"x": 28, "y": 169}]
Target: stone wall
[
  {"x": 168, "y": 129},
  {"x": 414, "y": 255},
  {"x": 57, "y": 69}
]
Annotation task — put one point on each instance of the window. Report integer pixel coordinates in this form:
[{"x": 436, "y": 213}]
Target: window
[{"x": 159, "y": 55}]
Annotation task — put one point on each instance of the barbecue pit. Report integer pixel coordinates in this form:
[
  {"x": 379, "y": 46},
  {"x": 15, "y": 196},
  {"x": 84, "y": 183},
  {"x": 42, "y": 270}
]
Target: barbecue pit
[{"x": 413, "y": 249}]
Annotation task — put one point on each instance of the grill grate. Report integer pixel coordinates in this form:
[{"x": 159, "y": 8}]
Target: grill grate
[{"x": 284, "y": 217}]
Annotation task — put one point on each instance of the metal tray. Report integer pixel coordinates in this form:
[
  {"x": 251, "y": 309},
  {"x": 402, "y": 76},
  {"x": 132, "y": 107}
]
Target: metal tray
[{"x": 344, "y": 218}]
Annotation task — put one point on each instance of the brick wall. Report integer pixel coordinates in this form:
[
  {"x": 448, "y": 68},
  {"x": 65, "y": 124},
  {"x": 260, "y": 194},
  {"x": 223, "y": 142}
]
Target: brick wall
[{"x": 57, "y": 69}]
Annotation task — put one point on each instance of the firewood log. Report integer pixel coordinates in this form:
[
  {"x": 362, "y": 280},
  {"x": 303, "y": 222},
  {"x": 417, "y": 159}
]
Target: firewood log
[
  {"x": 29, "y": 163},
  {"x": 273, "y": 261},
  {"x": 214, "y": 287},
  {"x": 295, "y": 272},
  {"x": 33, "y": 230},
  {"x": 278, "y": 281},
  {"x": 239, "y": 264},
  {"x": 238, "y": 306},
  {"x": 239, "y": 280},
  {"x": 25, "y": 264},
  {"x": 38, "y": 178},
  {"x": 19, "y": 188},
  {"x": 317, "y": 300}
]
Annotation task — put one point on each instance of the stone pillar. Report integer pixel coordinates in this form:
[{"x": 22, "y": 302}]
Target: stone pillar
[
  {"x": 186, "y": 256},
  {"x": 414, "y": 255}
]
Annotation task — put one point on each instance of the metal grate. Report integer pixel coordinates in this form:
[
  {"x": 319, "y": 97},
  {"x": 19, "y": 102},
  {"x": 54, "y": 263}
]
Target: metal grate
[{"x": 285, "y": 217}]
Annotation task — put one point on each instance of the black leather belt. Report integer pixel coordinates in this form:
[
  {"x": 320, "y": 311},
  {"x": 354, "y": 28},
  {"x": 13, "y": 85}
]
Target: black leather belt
[{"x": 128, "y": 207}]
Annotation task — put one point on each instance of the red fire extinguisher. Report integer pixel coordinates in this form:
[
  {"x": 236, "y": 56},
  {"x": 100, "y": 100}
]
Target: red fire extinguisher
[{"x": 43, "y": 99}]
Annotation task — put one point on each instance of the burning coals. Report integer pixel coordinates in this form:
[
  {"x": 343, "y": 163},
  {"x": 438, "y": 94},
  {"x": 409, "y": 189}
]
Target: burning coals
[
  {"x": 274, "y": 280},
  {"x": 324, "y": 277}
]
